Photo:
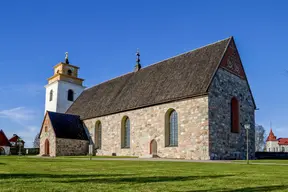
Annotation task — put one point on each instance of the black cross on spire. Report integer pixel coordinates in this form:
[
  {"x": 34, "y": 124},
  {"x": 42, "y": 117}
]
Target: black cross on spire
[{"x": 138, "y": 65}]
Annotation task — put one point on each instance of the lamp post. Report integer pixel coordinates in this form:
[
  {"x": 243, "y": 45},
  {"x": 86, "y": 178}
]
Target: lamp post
[{"x": 247, "y": 127}]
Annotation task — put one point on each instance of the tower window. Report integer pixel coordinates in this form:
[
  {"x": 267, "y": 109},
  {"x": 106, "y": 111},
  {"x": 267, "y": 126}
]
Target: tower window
[
  {"x": 51, "y": 95},
  {"x": 235, "y": 123},
  {"x": 70, "y": 95},
  {"x": 69, "y": 72}
]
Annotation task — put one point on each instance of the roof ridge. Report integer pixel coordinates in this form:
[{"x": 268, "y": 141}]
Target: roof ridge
[
  {"x": 153, "y": 64},
  {"x": 62, "y": 113},
  {"x": 186, "y": 52}
]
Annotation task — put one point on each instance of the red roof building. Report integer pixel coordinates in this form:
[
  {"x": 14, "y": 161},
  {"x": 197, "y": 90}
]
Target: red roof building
[
  {"x": 271, "y": 136},
  {"x": 3, "y": 139},
  {"x": 283, "y": 141},
  {"x": 14, "y": 140}
]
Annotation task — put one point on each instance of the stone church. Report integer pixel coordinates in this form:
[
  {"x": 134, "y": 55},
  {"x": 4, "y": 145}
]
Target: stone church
[{"x": 191, "y": 106}]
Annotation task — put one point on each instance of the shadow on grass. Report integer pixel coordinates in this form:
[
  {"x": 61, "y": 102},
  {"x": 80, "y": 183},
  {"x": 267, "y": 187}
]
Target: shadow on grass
[
  {"x": 63, "y": 176},
  {"x": 247, "y": 189},
  {"x": 2, "y": 163},
  {"x": 143, "y": 179}
]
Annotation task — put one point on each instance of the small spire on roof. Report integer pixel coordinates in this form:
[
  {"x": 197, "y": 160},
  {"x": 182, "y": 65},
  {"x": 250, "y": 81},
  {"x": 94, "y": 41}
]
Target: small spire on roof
[
  {"x": 66, "y": 58},
  {"x": 271, "y": 136},
  {"x": 138, "y": 65}
]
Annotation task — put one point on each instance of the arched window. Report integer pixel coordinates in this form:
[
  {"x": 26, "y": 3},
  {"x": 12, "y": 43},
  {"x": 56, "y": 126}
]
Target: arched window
[
  {"x": 98, "y": 135},
  {"x": 51, "y": 95},
  {"x": 70, "y": 95},
  {"x": 235, "y": 123},
  {"x": 171, "y": 128},
  {"x": 125, "y": 133},
  {"x": 69, "y": 72},
  {"x": 45, "y": 128}
]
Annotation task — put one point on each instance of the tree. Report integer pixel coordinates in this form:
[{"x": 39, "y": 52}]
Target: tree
[
  {"x": 36, "y": 143},
  {"x": 260, "y": 136}
]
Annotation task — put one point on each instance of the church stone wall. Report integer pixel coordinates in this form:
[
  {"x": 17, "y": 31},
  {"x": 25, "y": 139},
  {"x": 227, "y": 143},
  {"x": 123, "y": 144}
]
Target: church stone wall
[
  {"x": 50, "y": 135},
  {"x": 68, "y": 147},
  {"x": 148, "y": 123},
  {"x": 223, "y": 143}
]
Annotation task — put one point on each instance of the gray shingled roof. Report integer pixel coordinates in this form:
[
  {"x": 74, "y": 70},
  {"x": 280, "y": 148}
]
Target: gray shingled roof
[
  {"x": 183, "y": 76},
  {"x": 67, "y": 126}
]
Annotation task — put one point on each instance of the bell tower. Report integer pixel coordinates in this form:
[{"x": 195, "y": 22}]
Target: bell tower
[{"x": 63, "y": 87}]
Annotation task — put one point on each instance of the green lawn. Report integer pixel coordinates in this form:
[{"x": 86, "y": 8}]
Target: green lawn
[
  {"x": 274, "y": 161},
  {"x": 87, "y": 157},
  {"x": 68, "y": 174}
]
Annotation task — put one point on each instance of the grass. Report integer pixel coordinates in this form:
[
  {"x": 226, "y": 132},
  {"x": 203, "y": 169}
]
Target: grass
[
  {"x": 87, "y": 156},
  {"x": 68, "y": 174},
  {"x": 274, "y": 161}
]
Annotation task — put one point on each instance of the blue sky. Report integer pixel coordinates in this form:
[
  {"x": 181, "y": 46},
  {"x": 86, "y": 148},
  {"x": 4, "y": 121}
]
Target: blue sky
[{"x": 102, "y": 37}]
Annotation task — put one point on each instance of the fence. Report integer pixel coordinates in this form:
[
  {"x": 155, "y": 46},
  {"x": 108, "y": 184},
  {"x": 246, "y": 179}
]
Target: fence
[
  {"x": 271, "y": 155},
  {"x": 25, "y": 151}
]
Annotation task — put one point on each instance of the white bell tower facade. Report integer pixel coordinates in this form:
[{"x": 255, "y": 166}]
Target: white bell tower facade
[{"x": 63, "y": 88}]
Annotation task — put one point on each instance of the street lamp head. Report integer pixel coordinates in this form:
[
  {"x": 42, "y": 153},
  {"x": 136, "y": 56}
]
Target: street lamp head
[{"x": 247, "y": 126}]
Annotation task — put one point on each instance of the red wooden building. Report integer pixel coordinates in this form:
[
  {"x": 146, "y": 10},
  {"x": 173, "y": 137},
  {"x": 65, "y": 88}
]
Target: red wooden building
[{"x": 4, "y": 144}]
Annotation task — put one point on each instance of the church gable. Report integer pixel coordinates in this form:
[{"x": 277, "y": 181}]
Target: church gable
[
  {"x": 47, "y": 128},
  {"x": 231, "y": 61}
]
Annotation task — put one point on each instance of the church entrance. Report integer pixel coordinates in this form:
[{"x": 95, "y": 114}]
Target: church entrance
[
  {"x": 47, "y": 147},
  {"x": 2, "y": 151},
  {"x": 153, "y": 148}
]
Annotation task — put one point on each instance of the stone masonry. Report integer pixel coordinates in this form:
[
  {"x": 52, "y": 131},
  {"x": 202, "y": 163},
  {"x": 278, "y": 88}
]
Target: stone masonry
[
  {"x": 223, "y": 143},
  {"x": 50, "y": 135},
  {"x": 60, "y": 146},
  {"x": 204, "y": 127},
  {"x": 201, "y": 134},
  {"x": 148, "y": 123},
  {"x": 68, "y": 147}
]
